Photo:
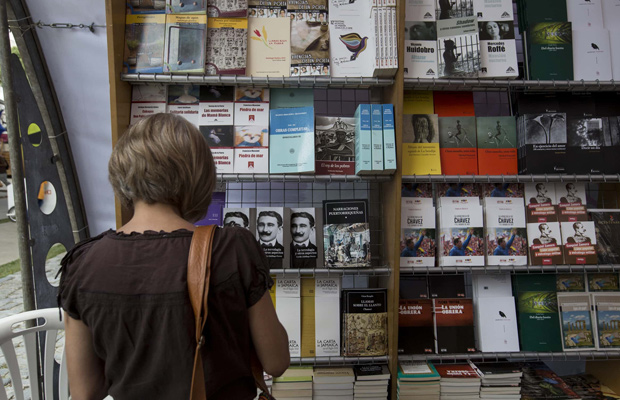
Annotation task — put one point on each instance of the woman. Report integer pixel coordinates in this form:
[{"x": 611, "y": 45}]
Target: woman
[
  {"x": 491, "y": 31},
  {"x": 129, "y": 324}
]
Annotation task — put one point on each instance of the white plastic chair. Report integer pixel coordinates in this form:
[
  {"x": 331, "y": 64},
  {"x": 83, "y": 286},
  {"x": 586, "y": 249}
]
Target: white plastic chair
[{"x": 9, "y": 330}]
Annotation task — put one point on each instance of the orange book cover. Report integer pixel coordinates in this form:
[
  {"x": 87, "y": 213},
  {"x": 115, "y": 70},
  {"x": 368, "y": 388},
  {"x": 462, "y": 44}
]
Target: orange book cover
[
  {"x": 497, "y": 139},
  {"x": 457, "y": 141},
  {"x": 454, "y": 104}
]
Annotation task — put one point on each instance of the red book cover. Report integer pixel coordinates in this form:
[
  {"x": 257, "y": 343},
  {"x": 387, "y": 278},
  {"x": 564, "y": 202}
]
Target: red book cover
[
  {"x": 454, "y": 324},
  {"x": 455, "y": 371},
  {"x": 457, "y": 142},
  {"x": 454, "y": 104},
  {"x": 415, "y": 327}
]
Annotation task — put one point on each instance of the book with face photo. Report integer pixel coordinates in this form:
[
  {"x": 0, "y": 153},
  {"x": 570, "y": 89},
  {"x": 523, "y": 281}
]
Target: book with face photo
[
  {"x": 306, "y": 244},
  {"x": 461, "y": 240},
  {"x": 335, "y": 145},
  {"x": 310, "y": 44},
  {"x": 506, "y": 237},
  {"x": 545, "y": 243},
  {"x": 571, "y": 201},
  {"x": 346, "y": 234},
  {"x": 239, "y": 218},
  {"x": 267, "y": 9},
  {"x": 540, "y": 202},
  {"x": 498, "y": 49},
  {"x": 585, "y": 146},
  {"x": 420, "y": 49},
  {"x": 421, "y": 154},
  {"x": 272, "y": 233},
  {"x": 579, "y": 239},
  {"x": 417, "y": 237},
  {"x": 184, "y": 50}
]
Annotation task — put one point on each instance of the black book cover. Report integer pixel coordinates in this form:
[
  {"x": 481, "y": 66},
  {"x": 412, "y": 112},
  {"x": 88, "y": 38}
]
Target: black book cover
[
  {"x": 416, "y": 333},
  {"x": 607, "y": 227},
  {"x": 371, "y": 372},
  {"x": 606, "y": 104},
  {"x": 536, "y": 103},
  {"x": 545, "y": 143},
  {"x": 577, "y": 104},
  {"x": 585, "y": 146},
  {"x": 364, "y": 322},
  {"x": 499, "y": 369},
  {"x": 454, "y": 325},
  {"x": 413, "y": 287},
  {"x": 611, "y": 142},
  {"x": 446, "y": 286}
]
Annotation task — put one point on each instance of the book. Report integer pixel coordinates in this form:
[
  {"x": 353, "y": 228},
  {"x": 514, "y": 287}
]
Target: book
[
  {"x": 184, "y": 100},
  {"x": 454, "y": 104},
  {"x": 611, "y": 13},
  {"x": 418, "y": 102},
  {"x": 272, "y": 233},
  {"x": 413, "y": 287},
  {"x": 269, "y": 47},
  {"x": 576, "y": 320},
  {"x": 291, "y": 98},
  {"x": 363, "y": 139},
  {"x": 606, "y": 307},
  {"x": 306, "y": 236},
  {"x": 457, "y": 141},
  {"x": 446, "y": 286},
  {"x": 461, "y": 231},
  {"x": 603, "y": 282},
  {"x": 571, "y": 202},
  {"x": 570, "y": 283},
  {"x": 611, "y": 143},
  {"x": 453, "y": 373},
  {"x": 503, "y": 190},
  {"x": 420, "y": 10},
  {"x": 607, "y": 224},
  {"x": 215, "y": 215},
  {"x": 389, "y": 139},
  {"x": 453, "y": 10},
  {"x": 498, "y": 49},
  {"x": 310, "y": 40},
  {"x": 240, "y": 217},
  {"x": 147, "y": 100},
  {"x": 267, "y": 9},
  {"x": 543, "y": 143},
  {"x": 226, "y": 47},
  {"x": 327, "y": 316},
  {"x": 539, "y": 381},
  {"x": 458, "y": 48},
  {"x": 411, "y": 371},
  {"x": 376, "y": 125},
  {"x": 251, "y": 119},
  {"x": 490, "y": 285},
  {"x": 216, "y": 110},
  {"x": 454, "y": 325},
  {"x": 343, "y": 250},
  {"x": 421, "y": 152},
  {"x": 301, "y": 373},
  {"x": 420, "y": 58},
  {"x": 372, "y": 372},
  {"x": 220, "y": 139},
  {"x": 335, "y": 145},
  {"x": 497, "y": 141},
  {"x": 585, "y": 146},
  {"x": 544, "y": 240},
  {"x": 333, "y": 375},
  {"x": 458, "y": 190},
  {"x": 591, "y": 54},
  {"x": 505, "y": 228},
  {"x": 415, "y": 327},
  {"x": 182, "y": 7},
  {"x": 185, "y": 42},
  {"x": 144, "y": 43},
  {"x": 540, "y": 202},
  {"x": 288, "y": 309},
  {"x": 533, "y": 11},
  {"x": 308, "y": 313},
  {"x": 496, "y": 324},
  {"x": 418, "y": 234},
  {"x": 146, "y": 7},
  {"x": 584, "y": 14},
  {"x": 579, "y": 239},
  {"x": 486, "y": 10},
  {"x": 364, "y": 322},
  {"x": 537, "y": 309},
  {"x": 227, "y": 8},
  {"x": 291, "y": 135},
  {"x": 550, "y": 48}
]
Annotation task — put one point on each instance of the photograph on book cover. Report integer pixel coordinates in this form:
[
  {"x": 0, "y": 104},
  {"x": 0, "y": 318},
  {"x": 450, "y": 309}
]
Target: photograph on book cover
[
  {"x": 458, "y": 189},
  {"x": 335, "y": 141},
  {"x": 269, "y": 222},
  {"x": 184, "y": 51},
  {"x": 218, "y": 135},
  {"x": 507, "y": 241},
  {"x": 421, "y": 128},
  {"x": 310, "y": 41},
  {"x": 447, "y": 9},
  {"x": 608, "y": 320},
  {"x": 409, "y": 189},
  {"x": 304, "y": 251},
  {"x": 183, "y": 94},
  {"x": 417, "y": 242},
  {"x": 459, "y": 56},
  {"x": 462, "y": 242},
  {"x": 238, "y": 217},
  {"x": 577, "y": 329},
  {"x": 496, "y": 30},
  {"x": 502, "y": 189},
  {"x": 226, "y": 49},
  {"x": 251, "y": 136}
]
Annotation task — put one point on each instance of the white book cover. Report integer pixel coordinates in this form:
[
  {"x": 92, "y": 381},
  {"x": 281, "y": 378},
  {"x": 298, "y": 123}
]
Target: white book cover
[
  {"x": 578, "y": 331},
  {"x": 269, "y": 47},
  {"x": 418, "y": 240},
  {"x": 251, "y": 106},
  {"x": 493, "y": 10},
  {"x": 611, "y": 13},
  {"x": 288, "y": 310},
  {"x": 224, "y": 160},
  {"x": 496, "y": 324},
  {"x": 591, "y": 54},
  {"x": 216, "y": 113},
  {"x": 352, "y": 48},
  {"x": 288, "y": 287},
  {"x": 539, "y": 193},
  {"x": 147, "y": 100},
  {"x": 579, "y": 240},
  {"x": 498, "y": 50},
  {"x": 614, "y": 41},
  {"x": 491, "y": 285},
  {"x": 420, "y": 10},
  {"x": 461, "y": 232},
  {"x": 585, "y": 13},
  {"x": 420, "y": 56},
  {"x": 327, "y": 316},
  {"x": 505, "y": 231},
  {"x": 251, "y": 160},
  {"x": 187, "y": 111},
  {"x": 142, "y": 110}
]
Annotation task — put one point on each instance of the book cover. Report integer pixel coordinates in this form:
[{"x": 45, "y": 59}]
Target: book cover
[
  {"x": 454, "y": 104},
  {"x": 227, "y": 43},
  {"x": 411, "y": 189},
  {"x": 490, "y": 285},
  {"x": 611, "y": 13},
  {"x": 607, "y": 307},
  {"x": 420, "y": 58},
  {"x": 544, "y": 143},
  {"x": 216, "y": 106},
  {"x": 182, "y": 7},
  {"x": 457, "y": 141},
  {"x": 304, "y": 238},
  {"x": 353, "y": 49},
  {"x": 291, "y": 98},
  {"x": 454, "y": 326},
  {"x": 417, "y": 370},
  {"x": 147, "y": 100},
  {"x": 291, "y": 135},
  {"x": 585, "y": 146},
  {"x": 376, "y": 126},
  {"x": 570, "y": 283},
  {"x": 308, "y": 312},
  {"x": 251, "y": 106},
  {"x": 490, "y": 10},
  {"x": 144, "y": 43},
  {"x": 506, "y": 237},
  {"x": 533, "y": 11},
  {"x": 592, "y": 54},
  {"x": 576, "y": 321},
  {"x": 267, "y": 9},
  {"x": 146, "y": 7},
  {"x": 240, "y": 217},
  {"x": 269, "y": 47},
  {"x": 221, "y": 142},
  {"x": 335, "y": 145},
  {"x": 288, "y": 309},
  {"x": 324, "y": 375},
  {"x": 603, "y": 282},
  {"x": 571, "y": 201},
  {"x": 461, "y": 236},
  {"x": 389, "y": 139},
  {"x": 184, "y": 100},
  {"x": 251, "y": 152},
  {"x": 579, "y": 239},
  {"x": 458, "y": 48},
  {"x": 418, "y": 102},
  {"x": 272, "y": 234},
  {"x": 415, "y": 327},
  {"x": 539, "y": 381},
  {"x": 421, "y": 153},
  {"x": 545, "y": 243},
  {"x": 214, "y": 215},
  {"x": 503, "y": 190},
  {"x": 420, "y": 10},
  {"x": 364, "y": 322},
  {"x": 611, "y": 143},
  {"x": 372, "y": 372},
  {"x": 342, "y": 248},
  {"x": 497, "y": 139},
  {"x": 363, "y": 139},
  {"x": 446, "y": 286},
  {"x": 607, "y": 227},
  {"x": 540, "y": 202},
  {"x": 417, "y": 240},
  {"x": 457, "y": 190},
  {"x": 227, "y": 8},
  {"x": 445, "y": 9},
  {"x": 498, "y": 50},
  {"x": 413, "y": 287},
  {"x": 185, "y": 43},
  {"x": 496, "y": 324},
  {"x": 585, "y": 13},
  {"x": 310, "y": 41},
  {"x": 327, "y": 316},
  {"x": 550, "y": 51}
]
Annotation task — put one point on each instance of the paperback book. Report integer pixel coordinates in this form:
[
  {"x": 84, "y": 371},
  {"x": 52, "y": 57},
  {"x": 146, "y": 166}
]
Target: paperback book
[
  {"x": 496, "y": 324},
  {"x": 545, "y": 243},
  {"x": 607, "y": 224},
  {"x": 579, "y": 239},
  {"x": 327, "y": 316},
  {"x": 183, "y": 7},
  {"x": 421, "y": 153},
  {"x": 185, "y": 43},
  {"x": 603, "y": 282},
  {"x": 585, "y": 146},
  {"x": 498, "y": 50},
  {"x": 607, "y": 306},
  {"x": 454, "y": 325},
  {"x": 376, "y": 125},
  {"x": 291, "y": 133},
  {"x": 240, "y": 218},
  {"x": 490, "y": 10},
  {"x": 251, "y": 119},
  {"x": 410, "y": 189},
  {"x": 490, "y": 285},
  {"x": 147, "y": 100},
  {"x": 335, "y": 145},
  {"x": 227, "y": 8},
  {"x": 458, "y": 190},
  {"x": 506, "y": 237},
  {"x": 363, "y": 139},
  {"x": 288, "y": 309},
  {"x": 571, "y": 201},
  {"x": 144, "y": 43},
  {"x": 418, "y": 240},
  {"x": 458, "y": 48},
  {"x": 413, "y": 287},
  {"x": 540, "y": 202},
  {"x": 457, "y": 140},
  {"x": 364, "y": 322},
  {"x": 267, "y": 9},
  {"x": 146, "y": 7},
  {"x": 310, "y": 42},
  {"x": 591, "y": 54},
  {"x": 272, "y": 233},
  {"x": 420, "y": 58},
  {"x": 461, "y": 241},
  {"x": 503, "y": 190},
  {"x": 269, "y": 47},
  {"x": 306, "y": 241},
  {"x": 389, "y": 139},
  {"x": 342, "y": 248},
  {"x": 291, "y": 98},
  {"x": 184, "y": 100},
  {"x": 497, "y": 140},
  {"x": 539, "y": 381},
  {"x": 416, "y": 333},
  {"x": 542, "y": 141},
  {"x": 227, "y": 43},
  {"x": 445, "y": 9},
  {"x": 418, "y": 102},
  {"x": 570, "y": 283},
  {"x": 454, "y": 104},
  {"x": 446, "y": 286},
  {"x": 576, "y": 320},
  {"x": 550, "y": 51},
  {"x": 216, "y": 110},
  {"x": 420, "y": 10},
  {"x": 585, "y": 14}
]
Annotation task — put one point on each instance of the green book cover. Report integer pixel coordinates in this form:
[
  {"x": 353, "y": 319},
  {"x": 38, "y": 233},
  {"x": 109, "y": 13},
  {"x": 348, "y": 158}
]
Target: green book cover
[
  {"x": 533, "y": 11},
  {"x": 550, "y": 51}
]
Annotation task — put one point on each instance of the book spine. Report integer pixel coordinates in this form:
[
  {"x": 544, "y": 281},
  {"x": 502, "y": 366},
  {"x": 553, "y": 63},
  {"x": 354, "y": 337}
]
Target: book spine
[
  {"x": 363, "y": 142},
  {"x": 308, "y": 309},
  {"x": 377, "y": 137},
  {"x": 389, "y": 139}
]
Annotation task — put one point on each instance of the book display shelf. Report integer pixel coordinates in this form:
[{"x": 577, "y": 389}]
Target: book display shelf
[{"x": 385, "y": 190}]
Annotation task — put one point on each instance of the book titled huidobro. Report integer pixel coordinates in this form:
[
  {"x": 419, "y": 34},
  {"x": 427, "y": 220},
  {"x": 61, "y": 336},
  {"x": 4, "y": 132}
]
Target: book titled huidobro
[
  {"x": 364, "y": 322},
  {"x": 550, "y": 51},
  {"x": 498, "y": 49},
  {"x": 227, "y": 43},
  {"x": 420, "y": 49},
  {"x": 144, "y": 43},
  {"x": 346, "y": 233},
  {"x": 458, "y": 48},
  {"x": 497, "y": 140},
  {"x": 310, "y": 42},
  {"x": 576, "y": 321},
  {"x": 291, "y": 132}
]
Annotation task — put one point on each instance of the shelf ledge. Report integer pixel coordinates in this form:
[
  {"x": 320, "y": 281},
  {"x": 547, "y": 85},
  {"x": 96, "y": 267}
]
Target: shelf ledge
[
  {"x": 581, "y": 355},
  {"x": 379, "y": 271},
  {"x": 506, "y": 84},
  {"x": 611, "y": 178},
  {"x": 513, "y": 269},
  {"x": 302, "y": 178},
  {"x": 339, "y": 360}
]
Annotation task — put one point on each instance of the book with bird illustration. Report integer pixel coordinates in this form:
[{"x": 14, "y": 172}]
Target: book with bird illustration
[
  {"x": 496, "y": 324},
  {"x": 592, "y": 54}
]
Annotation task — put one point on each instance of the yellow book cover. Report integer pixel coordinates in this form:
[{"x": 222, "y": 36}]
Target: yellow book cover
[
  {"x": 308, "y": 348},
  {"x": 269, "y": 47},
  {"x": 418, "y": 102},
  {"x": 144, "y": 43},
  {"x": 272, "y": 291},
  {"x": 421, "y": 153},
  {"x": 184, "y": 50}
]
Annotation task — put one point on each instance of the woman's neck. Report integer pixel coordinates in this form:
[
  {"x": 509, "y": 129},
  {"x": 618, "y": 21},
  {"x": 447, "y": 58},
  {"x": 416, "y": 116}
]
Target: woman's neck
[{"x": 155, "y": 217}]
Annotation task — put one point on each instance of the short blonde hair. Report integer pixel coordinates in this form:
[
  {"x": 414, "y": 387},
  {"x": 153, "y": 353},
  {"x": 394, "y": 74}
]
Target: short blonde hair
[{"x": 164, "y": 159}]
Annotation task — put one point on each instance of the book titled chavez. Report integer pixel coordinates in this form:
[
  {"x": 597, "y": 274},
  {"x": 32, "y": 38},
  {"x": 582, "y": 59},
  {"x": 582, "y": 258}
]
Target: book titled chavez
[
  {"x": 364, "y": 322},
  {"x": 291, "y": 132},
  {"x": 346, "y": 233}
]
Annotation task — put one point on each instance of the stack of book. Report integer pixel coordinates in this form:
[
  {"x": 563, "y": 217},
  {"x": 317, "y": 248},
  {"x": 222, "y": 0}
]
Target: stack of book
[
  {"x": 539, "y": 381},
  {"x": 458, "y": 382},
  {"x": 499, "y": 380},
  {"x": 294, "y": 384},
  {"x": 371, "y": 382},
  {"x": 418, "y": 381},
  {"x": 333, "y": 383}
]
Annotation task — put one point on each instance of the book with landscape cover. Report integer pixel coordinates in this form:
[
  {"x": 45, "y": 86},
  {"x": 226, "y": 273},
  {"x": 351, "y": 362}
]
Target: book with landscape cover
[
  {"x": 537, "y": 310},
  {"x": 418, "y": 235},
  {"x": 147, "y": 100},
  {"x": 607, "y": 226},
  {"x": 550, "y": 46},
  {"x": 607, "y": 308},
  {"x": 306, "y": 244},
  {"x": 497, "y": 141},
  {"x": 421, "y": 153},
  {"x": 227, "y": 43},
  {"x": 576, "y": 320},
  {"x": 364, "y": 322},
  {"x": 591, "y": 54},
  {"x": 310, "y": 41},
  {"x": 144, "y": 43},
  {"x": 579, "y": 239},
  {"x": 505, "y": 228},
  {"x": 186, "y": 7},
  {"x": 543, "y": 141},
  {"x": 335, "y": 145},
  {"x": 413, "y": 287},
  {"x": 603, "y": 282},
  {"x": 416, "y": 332},
  {"x": 272, "y": 233},
  {"x": 570, "y": 283},
  {"x": 457, "y": 141},
  {"x": 496, "y": 324},
  {"x": 446, "y": 286},
  {"x": 458, "y": 48},
  {"x": 184, "y": 100},
  {"x": 585, "y": 146},
  {"x": 346, "y": 233},
  {"x": 454, "y": 325},
  {"x": 461, "y": 240},
  {"x": 269, "y": 47},
  {"x": 185, "y": 43},
  {"x": 216, "y": 122},
  {"x": 291, "y": 136},
  {"x": 227, "y": 8}
]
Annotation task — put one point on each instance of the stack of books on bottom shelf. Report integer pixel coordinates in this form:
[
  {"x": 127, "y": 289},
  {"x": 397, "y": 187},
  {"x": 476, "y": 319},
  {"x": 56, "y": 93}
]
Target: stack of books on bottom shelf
[
  {"x": 458, "y": 382},
  {"x": 499, "y": 380},
  {"x": 332, "y": 384},
  {"x": 294, "y": 384},
  {"x": 371, "y": 382},
  {"x": 418, "y": 380}
]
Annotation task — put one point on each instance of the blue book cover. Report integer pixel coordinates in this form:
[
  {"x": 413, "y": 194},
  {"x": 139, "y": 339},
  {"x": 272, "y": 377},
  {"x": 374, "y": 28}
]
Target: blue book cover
[
  {"x": 289, "y": 98},
  {"x": 363, "y": 149},
  {"x": 376, "y": 120},
  {"x": 389, "y": 139},
  {"x": 291, "y": 136}
]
